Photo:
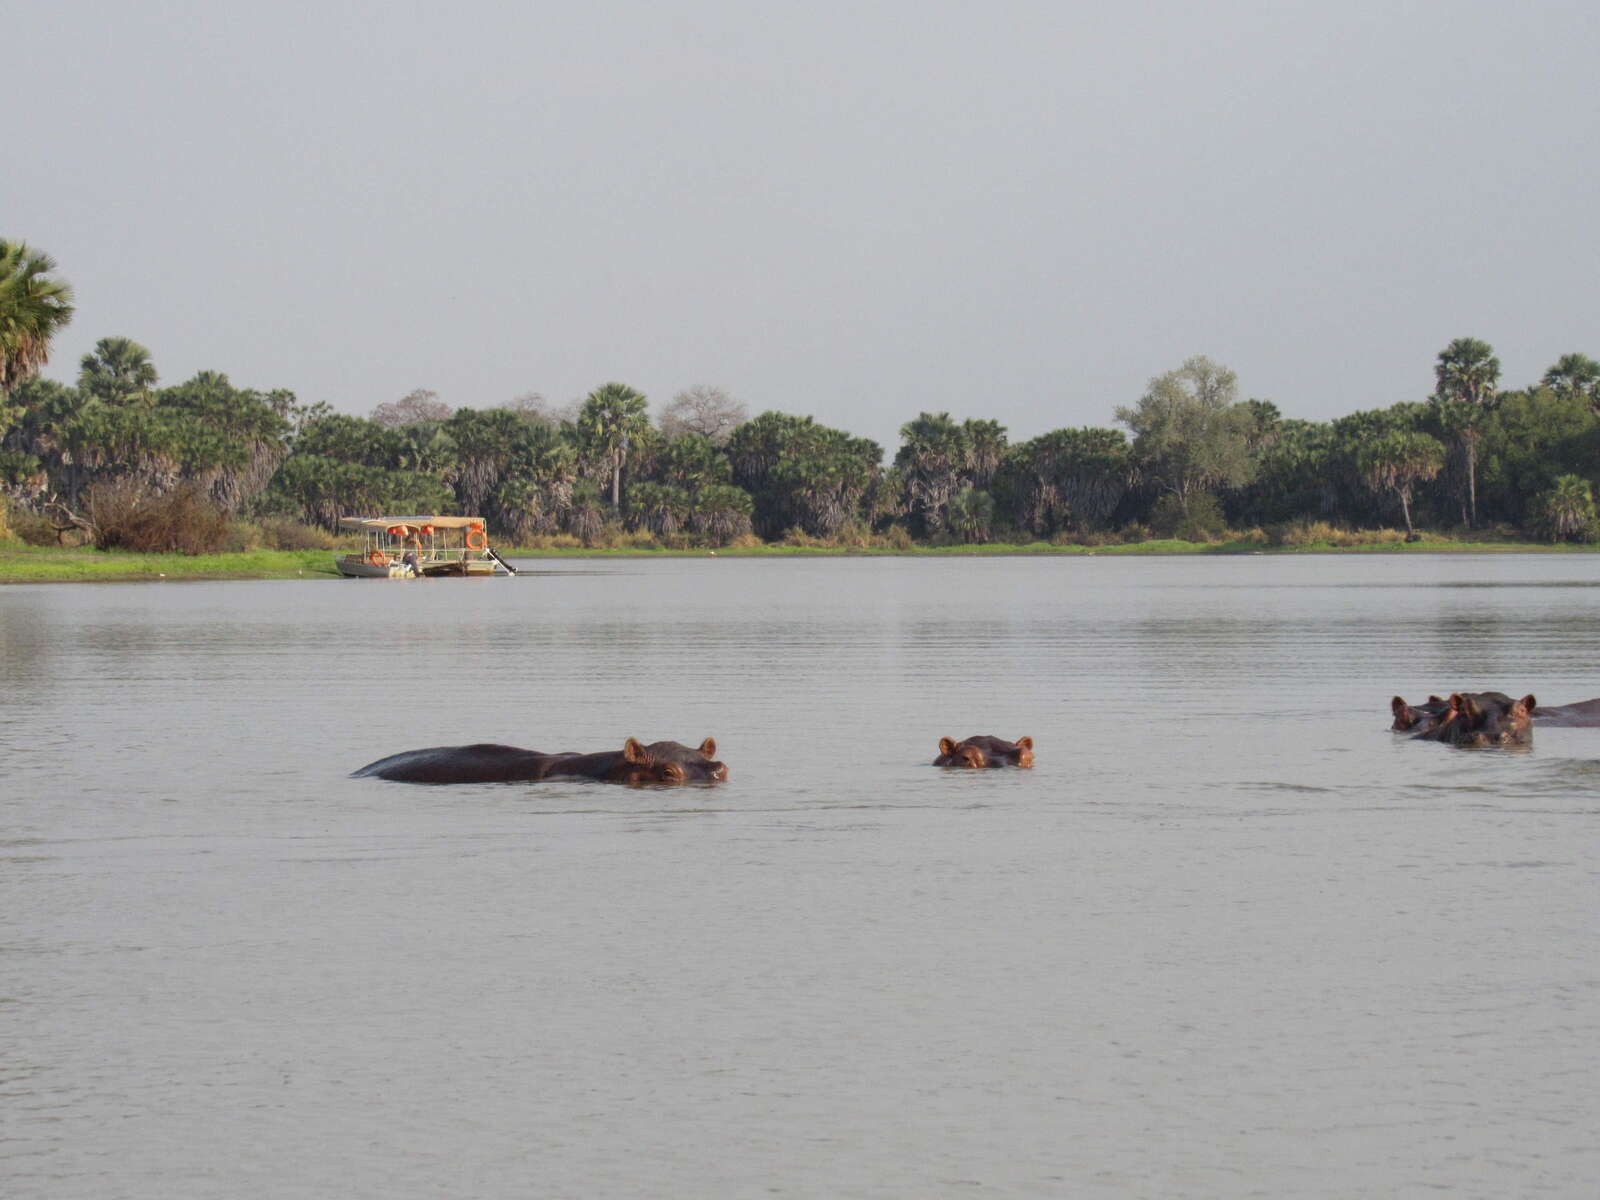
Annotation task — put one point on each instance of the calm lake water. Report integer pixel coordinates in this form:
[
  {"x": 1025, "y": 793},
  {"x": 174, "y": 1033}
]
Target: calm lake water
[{"x": 1230, "y": 937}]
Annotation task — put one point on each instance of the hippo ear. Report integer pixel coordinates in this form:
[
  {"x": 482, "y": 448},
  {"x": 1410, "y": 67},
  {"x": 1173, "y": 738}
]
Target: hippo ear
[
  {"x": 1399, "y": 707},
  {"x": 1432, "y": 699},
  {"x": 633, "y": 752},
  {"x": 709, "y": 747},
  {"x": 1465, "y": 705},
  {"x": 1529, "y": 704},
  {"x": 947, "y": 745},
  {"x": 1025, "y": 743}
]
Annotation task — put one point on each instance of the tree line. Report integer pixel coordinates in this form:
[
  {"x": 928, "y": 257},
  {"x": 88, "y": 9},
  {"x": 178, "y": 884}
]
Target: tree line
[{"x": 1189, "y": 459}]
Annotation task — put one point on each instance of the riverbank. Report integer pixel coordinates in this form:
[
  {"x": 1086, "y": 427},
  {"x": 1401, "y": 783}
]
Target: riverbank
[
  {"x": 59, "y": 564},
  {"x": 82, "y": 564}
]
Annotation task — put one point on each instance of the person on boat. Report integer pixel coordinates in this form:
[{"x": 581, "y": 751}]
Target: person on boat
[{"x": 413, "y": 545}]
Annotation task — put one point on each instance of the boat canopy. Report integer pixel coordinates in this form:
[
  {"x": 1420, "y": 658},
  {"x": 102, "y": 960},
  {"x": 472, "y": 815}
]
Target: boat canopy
[{"x": 385, "y": 523}]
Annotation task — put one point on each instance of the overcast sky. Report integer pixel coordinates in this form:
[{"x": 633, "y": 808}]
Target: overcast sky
[{"x": 857, "y": 211}]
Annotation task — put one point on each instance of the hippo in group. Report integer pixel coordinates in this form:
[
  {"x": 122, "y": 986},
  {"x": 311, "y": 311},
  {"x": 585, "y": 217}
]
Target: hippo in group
[
  {"x": 981, "y": 750},
  {"x": 485, "y": 762},
  {"x": 1583, "y": 714},
  {"x": 1419, "y": 718},
  {"x": 1469, "y": 719}
]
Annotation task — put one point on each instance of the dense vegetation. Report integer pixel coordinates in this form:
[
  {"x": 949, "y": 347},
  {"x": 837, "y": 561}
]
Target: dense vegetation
[{"x": 127, "y": 462}]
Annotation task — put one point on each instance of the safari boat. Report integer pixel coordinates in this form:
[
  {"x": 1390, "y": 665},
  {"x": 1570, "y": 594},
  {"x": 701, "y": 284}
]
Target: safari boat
[{"x": 412, "y": 547}]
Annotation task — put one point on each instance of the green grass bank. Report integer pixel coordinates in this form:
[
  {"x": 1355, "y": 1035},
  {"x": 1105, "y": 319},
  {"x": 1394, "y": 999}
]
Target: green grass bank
[{"x": 56, "y": 564}]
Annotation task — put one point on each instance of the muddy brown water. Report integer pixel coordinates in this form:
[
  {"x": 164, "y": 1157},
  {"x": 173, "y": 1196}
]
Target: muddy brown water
[{"x": 1229, "y": 937}]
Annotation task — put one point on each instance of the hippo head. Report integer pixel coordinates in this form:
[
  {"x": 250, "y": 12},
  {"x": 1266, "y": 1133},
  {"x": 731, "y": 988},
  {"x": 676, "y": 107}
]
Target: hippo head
[
  {"x": 985, "y": 751},
  {"x": 1480, "y": 719},
  {"x": 959, "y": 754},
  {"x": 1495, "y": 719},
  {"x": 671, "y": 763}
]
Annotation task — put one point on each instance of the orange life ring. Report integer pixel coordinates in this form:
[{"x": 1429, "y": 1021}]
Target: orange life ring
[
  {"x": 377, "y": 557},
  {"x": 427, "y": 530},
  {"x": 476, "y": 532},
  {"x": 398, "y": 531}
]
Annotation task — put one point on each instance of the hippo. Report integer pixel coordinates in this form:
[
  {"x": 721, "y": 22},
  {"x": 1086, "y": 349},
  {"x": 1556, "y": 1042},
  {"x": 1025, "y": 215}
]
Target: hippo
[
  {"x": 1417, "y": 719},
  {"x": 486, "y": 762},
  {"x": 982, "y": 750},
  {"x": 1583, "y": 714},
  {"x": 1476, "y": 719}
]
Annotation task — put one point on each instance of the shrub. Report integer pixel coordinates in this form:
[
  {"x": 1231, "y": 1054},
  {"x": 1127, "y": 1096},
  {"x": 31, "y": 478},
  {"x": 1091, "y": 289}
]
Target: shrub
[
  {"x": 1085, "y": 537},
  {"x": 1321, "y": 533},
  {"x": 795, "y": 536},
  {"x": 897, "y": 537},
  {"x": 1133, "y": 532},
  {"x": 38, "y": 530},
  {"x": 1201, "y": 522},
  {"x": 280, "y": 533},
  {"x": 127, "y": 516},
  {"x": 243, "y": 537},
  {"x": 553, "y": 541}
]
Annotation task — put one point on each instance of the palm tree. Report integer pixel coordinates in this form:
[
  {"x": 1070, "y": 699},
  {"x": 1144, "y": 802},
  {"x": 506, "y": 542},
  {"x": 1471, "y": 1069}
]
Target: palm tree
[
  {"x": 971, "y": 514},
  {"x": 986, "y": 450},
  {"x": 613, "y": 418},
  {"x": 1465, "y": 375},
  {"x": 118, "y": 371},
  {"x": 1568, "y": 509},
  {"x": 1397, "y": 462},
  {"x": 1575, "y": 375},
  {"x": 720, "y": 513},
  {"x": 33, "y": 308},
  {"x": 931, "y": 461}
]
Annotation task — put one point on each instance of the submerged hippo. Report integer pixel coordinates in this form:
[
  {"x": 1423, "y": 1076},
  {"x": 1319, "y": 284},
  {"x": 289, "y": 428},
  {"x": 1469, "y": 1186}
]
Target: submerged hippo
[
  {"x": 1417, "y": 718},
  {"x": 1469, "y": 719},
  {"x": 485, "y": 762},
  {"x": 1583, "y": 714},
  {"x": 981, "y": 750}
]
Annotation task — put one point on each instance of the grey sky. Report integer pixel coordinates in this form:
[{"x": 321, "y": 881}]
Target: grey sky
[{"x": 857, "y": 211}]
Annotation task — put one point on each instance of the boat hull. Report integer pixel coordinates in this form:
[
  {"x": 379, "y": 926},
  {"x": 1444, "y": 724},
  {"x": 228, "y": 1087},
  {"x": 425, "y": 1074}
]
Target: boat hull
[
  {"x": 362, "y": 568},
  {"x": 355, "y": 567}
]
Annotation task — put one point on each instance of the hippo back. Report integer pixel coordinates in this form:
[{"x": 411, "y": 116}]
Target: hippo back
[{"x": 483, "y": 762}]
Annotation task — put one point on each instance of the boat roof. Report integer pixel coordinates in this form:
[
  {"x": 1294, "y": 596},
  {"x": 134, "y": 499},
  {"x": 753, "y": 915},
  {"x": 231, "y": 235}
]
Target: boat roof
[{"x": 390, "y": 522}]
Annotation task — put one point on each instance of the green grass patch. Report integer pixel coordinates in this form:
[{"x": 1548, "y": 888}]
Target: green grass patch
[{"x": 60, "y": 564}]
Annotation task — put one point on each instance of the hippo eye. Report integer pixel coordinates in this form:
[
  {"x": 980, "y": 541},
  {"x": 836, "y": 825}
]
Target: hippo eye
[{"x": 672, "y": 773}]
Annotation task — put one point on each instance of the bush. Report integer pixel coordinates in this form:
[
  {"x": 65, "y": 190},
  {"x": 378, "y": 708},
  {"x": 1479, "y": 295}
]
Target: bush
[
  {"x": 280, "y": 533},
  {"x": 1133, "y": 533},
  {"x": 795, "y": 536},
  {"x": 243, "y": 537},
  {"x": 1321, "y": 533},
  {"x": 126, "y": 516},
  {"x": 38, "y": 530},
  {"x": 897, "y": 537},
  {"x": 1086, "y": 537},
  {"x": 552, "y": 541},
  {"x": 1202, "y": 522}
]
